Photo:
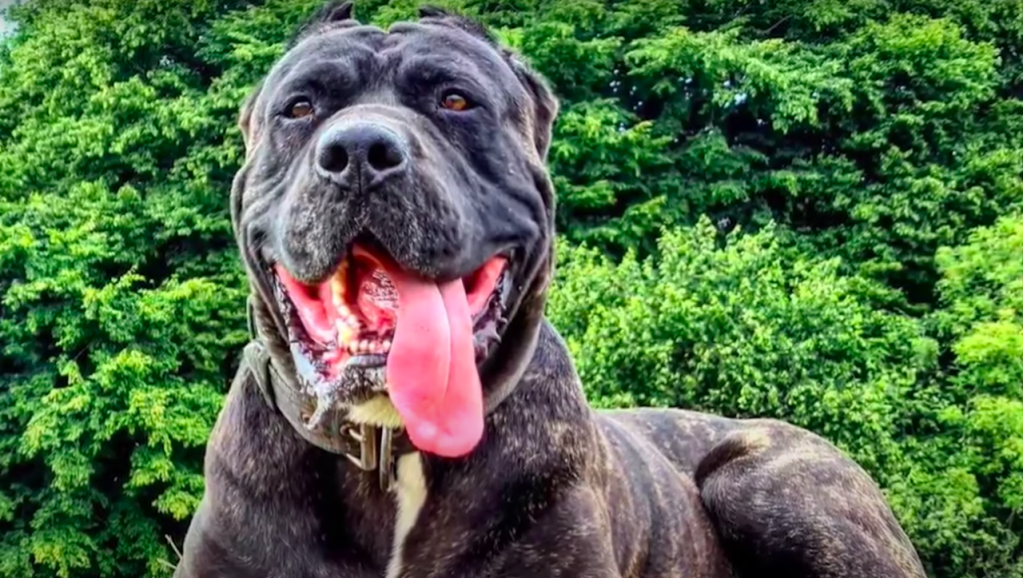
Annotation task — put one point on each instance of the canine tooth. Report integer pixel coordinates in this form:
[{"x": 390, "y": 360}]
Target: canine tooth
[
  {"x": 337, "y": 291},
  {"x": 385, "y": 346},
  {"x": 344, "y": 332}
]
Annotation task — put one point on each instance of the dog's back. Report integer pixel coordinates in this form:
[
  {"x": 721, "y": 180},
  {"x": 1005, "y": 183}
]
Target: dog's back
[{"x": 682, "y": 437}]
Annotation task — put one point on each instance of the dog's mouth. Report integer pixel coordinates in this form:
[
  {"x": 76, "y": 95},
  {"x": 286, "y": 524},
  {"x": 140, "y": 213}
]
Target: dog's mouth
[{"x": 427, "y": 337}]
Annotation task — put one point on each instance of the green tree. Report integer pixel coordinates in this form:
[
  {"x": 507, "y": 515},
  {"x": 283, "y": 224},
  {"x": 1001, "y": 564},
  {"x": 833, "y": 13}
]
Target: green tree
[
  {"x": 963, "y": 491},
  {"x": 121, "y": 301},
  {"x": 982, "y": 293},
  {"x": 789, "y": 209},
  {"x": 744, "y": 330}
]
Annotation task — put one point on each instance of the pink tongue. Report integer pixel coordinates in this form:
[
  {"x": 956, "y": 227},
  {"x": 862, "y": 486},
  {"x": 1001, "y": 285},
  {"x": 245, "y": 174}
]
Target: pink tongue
[{"x": 431, "y": 369}]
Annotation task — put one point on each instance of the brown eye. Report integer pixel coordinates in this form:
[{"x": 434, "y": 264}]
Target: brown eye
[
  {"x": 300, "y": 109},
  {"x": 454, "y": 101}
]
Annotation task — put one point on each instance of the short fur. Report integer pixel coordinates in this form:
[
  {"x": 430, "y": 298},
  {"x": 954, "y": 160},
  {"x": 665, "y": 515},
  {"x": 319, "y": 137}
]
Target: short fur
[{"x": 555, "y": 488}]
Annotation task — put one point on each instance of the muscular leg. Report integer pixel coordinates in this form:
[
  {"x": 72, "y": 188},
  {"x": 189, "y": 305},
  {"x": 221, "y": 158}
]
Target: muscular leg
[{"x": 785, "y": 502}]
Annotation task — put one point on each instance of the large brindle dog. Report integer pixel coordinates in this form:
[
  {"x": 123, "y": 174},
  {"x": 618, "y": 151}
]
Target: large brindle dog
[{"x": 405, "y": 410}]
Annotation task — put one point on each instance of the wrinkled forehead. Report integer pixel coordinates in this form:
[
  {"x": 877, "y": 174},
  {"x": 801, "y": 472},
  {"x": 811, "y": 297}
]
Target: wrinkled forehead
[{"x": 368, "y": 58}]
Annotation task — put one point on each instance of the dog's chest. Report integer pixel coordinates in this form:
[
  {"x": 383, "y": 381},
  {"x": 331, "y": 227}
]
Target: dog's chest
[{"x": 410, "y": 495}]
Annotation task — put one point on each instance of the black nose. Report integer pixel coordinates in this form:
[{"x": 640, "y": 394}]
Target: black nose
[{"x": 360, "y": 153}]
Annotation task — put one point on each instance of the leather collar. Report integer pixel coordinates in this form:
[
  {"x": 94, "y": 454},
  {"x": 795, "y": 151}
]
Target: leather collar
[{"x": 370, "y": 448}]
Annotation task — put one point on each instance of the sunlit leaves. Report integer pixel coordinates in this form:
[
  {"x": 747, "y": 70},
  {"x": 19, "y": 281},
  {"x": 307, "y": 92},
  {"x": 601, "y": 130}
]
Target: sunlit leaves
[{"x": 766, "y": 188}]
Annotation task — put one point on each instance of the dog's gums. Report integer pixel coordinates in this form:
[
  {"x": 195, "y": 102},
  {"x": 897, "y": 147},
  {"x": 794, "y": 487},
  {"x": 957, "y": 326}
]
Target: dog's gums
[{"x": 429, "y": 335}]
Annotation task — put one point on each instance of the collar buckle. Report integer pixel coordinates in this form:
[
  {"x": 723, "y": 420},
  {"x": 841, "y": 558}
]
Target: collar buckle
[
  {"x": 376, "y": 444},
  {"x": 376, "y": 452},
  {"x": 368, "y": 453}
]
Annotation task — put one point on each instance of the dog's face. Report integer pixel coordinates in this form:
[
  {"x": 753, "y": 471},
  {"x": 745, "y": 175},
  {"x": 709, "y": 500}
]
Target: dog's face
[{"x": 395, "y": 218}]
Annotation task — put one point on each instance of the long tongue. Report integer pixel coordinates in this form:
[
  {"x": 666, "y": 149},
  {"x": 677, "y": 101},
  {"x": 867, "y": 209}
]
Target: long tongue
[{"x": 431, "y": 369}]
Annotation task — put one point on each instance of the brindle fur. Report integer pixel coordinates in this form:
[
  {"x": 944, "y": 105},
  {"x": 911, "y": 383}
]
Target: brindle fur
[{"x": 555, "y": 488}]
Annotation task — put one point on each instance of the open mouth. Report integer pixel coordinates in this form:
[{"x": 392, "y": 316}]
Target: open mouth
[{"x": 427, "y": 336}]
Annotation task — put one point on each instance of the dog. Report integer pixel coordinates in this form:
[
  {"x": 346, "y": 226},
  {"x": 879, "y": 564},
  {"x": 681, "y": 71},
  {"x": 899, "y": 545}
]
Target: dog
[{"x": 405, "y": 410}]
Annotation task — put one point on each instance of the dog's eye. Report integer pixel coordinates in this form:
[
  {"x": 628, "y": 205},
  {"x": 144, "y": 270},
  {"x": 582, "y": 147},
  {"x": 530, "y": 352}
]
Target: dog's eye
[
  {"x": 455, "y": 101},
  {"x": 300, "y": 109}
]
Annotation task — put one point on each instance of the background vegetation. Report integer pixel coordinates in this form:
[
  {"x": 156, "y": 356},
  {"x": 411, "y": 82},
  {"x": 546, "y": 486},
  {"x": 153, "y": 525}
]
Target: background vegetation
[{"x": 805, "y": 209}]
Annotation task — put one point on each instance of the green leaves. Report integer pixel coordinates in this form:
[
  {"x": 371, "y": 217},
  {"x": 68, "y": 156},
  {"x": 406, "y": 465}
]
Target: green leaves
[
  {"x": 804, "y": 210},
  {"x": 120, "y": 296},
  {"x": 714, "y": 74},
  {"x": 745, "y": 330},
  {"x": 982, "y": 289}
]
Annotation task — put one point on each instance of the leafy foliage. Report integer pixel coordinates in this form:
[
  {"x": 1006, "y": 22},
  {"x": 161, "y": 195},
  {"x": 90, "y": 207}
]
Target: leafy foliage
[
  {"x": 744, "y": 330},
  {"x": 805, "y": 210}
]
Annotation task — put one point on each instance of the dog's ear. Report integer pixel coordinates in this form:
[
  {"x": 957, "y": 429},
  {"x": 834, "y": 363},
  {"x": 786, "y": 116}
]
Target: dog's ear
[
  {"x": 336, "y": 11},
  {"x": 331, "y": 15},
  {"x": 444, "y": 16},
  {"x": 245, "y": 118},
  {"x": 545, "y": 104},
  {"x": 429, "y": 11}
]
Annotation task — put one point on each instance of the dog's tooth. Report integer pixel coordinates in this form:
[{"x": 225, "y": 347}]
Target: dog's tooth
[
  {"x": 344, "y": 332},
  {"x": 337, "y": 292},
  {"x": 385, "y": 346}
]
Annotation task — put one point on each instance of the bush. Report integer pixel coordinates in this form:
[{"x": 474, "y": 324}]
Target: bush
[
  {"x": 743, "y": 330},
  {"x": 754, "y": 198}
]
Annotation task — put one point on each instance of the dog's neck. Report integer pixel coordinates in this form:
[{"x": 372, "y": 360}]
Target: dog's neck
[{"x": 544, "y": 426}]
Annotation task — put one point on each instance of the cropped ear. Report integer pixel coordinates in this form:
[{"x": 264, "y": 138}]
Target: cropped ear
[
  {"x": 429, "y": 11},
  {"x": 336, "y": 11},
  {"x": 333, "y": 14},
  {"x": 444, "y": 16},
  {"x": 245, "y": 118},
  {"x": 545, "y": 104}
]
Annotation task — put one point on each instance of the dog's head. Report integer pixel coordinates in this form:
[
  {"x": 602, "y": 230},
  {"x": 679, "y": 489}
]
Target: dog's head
[{"x": 396, "y": 218}]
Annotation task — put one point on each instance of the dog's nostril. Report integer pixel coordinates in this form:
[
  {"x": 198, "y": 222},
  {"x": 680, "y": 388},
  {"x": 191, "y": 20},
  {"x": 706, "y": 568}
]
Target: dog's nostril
[
  {"x": 360, "y": 153},
  {"x": 334, "y": 159},
  {"x": 383, "y": 156}
]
